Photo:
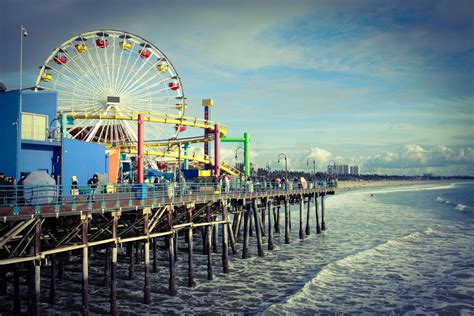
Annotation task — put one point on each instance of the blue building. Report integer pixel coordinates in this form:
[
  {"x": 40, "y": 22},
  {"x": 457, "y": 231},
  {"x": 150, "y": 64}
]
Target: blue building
[{"x": 31, "y": 141}]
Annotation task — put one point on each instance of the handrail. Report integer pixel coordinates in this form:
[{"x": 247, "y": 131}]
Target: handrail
[{"x": 14, "y": 197}]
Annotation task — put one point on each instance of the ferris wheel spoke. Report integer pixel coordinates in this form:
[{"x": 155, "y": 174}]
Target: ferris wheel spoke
[
  {"x": 127, "y": 83},
  {"x": 74, "y": 83},
  {"x": 93, "y": 69},
  {"x": 126, "y": 65},
  {"x": 101, "y": 69},
  {"x": 127, "y": 75},
  {"x": 72, "y": 59},
  {"x": 140, "y": 88},
  {"x": 138, "y": 80}
]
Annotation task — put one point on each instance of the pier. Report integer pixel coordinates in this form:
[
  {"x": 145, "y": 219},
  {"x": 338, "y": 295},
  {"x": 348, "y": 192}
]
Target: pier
[{"x": 35, "y": 235}]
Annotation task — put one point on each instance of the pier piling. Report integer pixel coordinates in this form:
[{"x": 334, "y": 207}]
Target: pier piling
[
  {"x": 245, "y": 246},
  {"x": 16, "y": 292},
  {"x": 323, "y": 224},
  {"x": 270, "y": 230},
  {"x": 172, "y": 263},
  {"x": 307, "y": 231},
  {"x": 52, "y": 287},
  {"x": 258, "y": 230},
  {"x": 318, "y": 228},
  {"x": 225, "y": 239},
  {"x": 85, "y": 265},
  {"x": 113, "y": 266},
  {"x": 191, "y": 281},
  {"x": 301, "y": 233},
  {"x": 147, "y": 287},
  {"x": 287, "y": 221}
]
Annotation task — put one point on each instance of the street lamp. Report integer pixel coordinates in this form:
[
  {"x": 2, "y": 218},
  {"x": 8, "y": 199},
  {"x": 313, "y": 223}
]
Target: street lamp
[
  {"x": 280, "y": 156},
  {"x": 23, "y": 33},
  {"x": 314, "y": 167}
]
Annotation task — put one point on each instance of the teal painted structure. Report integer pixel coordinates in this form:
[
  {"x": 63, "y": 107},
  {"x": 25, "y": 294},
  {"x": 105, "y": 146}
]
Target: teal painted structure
[{"x": 246, "y": 141}]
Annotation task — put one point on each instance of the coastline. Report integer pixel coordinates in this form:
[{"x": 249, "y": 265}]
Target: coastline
[{"x": 354, "y": 185}]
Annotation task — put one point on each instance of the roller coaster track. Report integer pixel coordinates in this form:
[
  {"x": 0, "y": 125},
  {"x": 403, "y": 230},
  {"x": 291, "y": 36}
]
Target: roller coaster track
[
  {"x": 196, "y": 157},
  {"x": 171, "y": 119}
]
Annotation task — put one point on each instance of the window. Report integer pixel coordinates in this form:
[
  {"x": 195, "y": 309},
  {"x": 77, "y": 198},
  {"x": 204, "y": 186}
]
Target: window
[{"x": 34, "y": 126}]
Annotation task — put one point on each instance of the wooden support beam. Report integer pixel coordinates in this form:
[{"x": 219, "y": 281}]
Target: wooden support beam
[
  {"x": 61, "y": 265},
  {"x": 287, "y": 221},
  {"x": 155, "y": 257},
  {"x": 37, "y": 270},
  {"x": 270, "y": 230},
  {"x": 262, "y": 222},
  {"x": 16, "y": 292},
  {"x": 106, "y": 280},
  {"x": 225, "y": 239},
  {"x": 147, "y": 286},
  {"x": 323, "y": 224},
  {"x": 215, "y": 232},
  {"x": 131, "y": 264},
  {"x": 277, "y": 219},
  {"x": 307, "y": 231},
  {"x": 209, "y": 244},
  {"x": 245, "y": 247},
  {"x": 318, "y": 228},
  {"x": 172, "y": 263},
  {"x": 175, "y": 247},
  {"x": 250, "y": 221},
  {"x": 301, "y": 233},
  {"x": 258, "y": 230},
  {"x": 3, "y": 280},
  {"x": 52, "y": 288},
  {"x": 232, "y": 239},
  {"x": 191, "y": 281},
  {"x": 113, "y": 267},
  {"x": 85, "y": 265}
]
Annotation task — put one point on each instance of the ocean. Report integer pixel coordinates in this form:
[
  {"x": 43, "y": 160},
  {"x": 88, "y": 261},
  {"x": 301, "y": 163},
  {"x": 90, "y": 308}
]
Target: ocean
[{"x": 398, "y": 250}]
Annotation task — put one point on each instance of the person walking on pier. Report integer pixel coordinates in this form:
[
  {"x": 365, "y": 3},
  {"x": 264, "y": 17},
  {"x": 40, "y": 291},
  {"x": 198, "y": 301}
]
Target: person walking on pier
[{"x": 93, "y": 183}]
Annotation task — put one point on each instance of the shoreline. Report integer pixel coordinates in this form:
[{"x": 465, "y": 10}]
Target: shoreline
[{"x": 355, "y": 185}]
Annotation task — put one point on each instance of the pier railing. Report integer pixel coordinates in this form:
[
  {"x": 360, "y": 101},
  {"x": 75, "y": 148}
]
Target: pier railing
[{"x": 41, "y": 197}]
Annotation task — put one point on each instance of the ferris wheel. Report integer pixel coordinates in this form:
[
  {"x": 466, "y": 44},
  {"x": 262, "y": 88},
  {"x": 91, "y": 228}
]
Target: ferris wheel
[{"x": 113, "y": 72}]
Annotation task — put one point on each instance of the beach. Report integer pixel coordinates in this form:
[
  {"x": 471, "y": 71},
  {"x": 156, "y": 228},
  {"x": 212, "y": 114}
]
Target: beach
[{"x": 351, "y": 185}]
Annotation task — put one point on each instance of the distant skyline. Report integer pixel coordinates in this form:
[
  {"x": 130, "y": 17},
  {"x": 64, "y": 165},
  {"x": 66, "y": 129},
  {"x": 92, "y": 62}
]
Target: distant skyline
[{"x": 385, "y": 85}]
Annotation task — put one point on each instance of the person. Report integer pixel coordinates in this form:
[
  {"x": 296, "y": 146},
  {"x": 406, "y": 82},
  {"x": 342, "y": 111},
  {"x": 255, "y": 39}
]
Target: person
[
  {"x": 226, "y": 183},
  {"x": 74, "y": 189},
  {"x": 278, "y": 183},
  {"x": 93, "y": 183},
  {"x": 249, "y": 185},
  {"x": 182, "y": 186}
]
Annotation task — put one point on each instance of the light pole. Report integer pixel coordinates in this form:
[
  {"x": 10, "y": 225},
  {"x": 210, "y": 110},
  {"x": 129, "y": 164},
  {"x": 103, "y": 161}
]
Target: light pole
[
  {"x": 282, "y": 155},
  {"x": 314, "y": 167},
  {"x": 23, "y": 33}
]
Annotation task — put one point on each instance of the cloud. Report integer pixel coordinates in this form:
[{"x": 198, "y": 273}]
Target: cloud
[
  {"x": 416, "y": 156},
  {"x": 320, "y": 155}
]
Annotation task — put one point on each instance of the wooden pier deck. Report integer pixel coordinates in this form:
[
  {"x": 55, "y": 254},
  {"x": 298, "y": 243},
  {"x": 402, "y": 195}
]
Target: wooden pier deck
[{"x": 34, "y": 237}]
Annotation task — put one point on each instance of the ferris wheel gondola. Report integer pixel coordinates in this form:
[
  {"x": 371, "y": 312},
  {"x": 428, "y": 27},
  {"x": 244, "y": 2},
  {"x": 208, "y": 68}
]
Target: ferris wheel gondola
[{"x": 107, "y": 72}]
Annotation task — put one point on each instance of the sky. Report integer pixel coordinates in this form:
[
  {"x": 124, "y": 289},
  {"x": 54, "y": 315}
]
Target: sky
[{"x": 386, "y": 85}]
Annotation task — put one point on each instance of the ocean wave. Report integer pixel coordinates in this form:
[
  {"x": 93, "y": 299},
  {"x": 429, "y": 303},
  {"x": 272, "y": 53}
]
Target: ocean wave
[
  {"x": 415, "y": 188},
  {"x": 456, "y": 206},
  {"x": 347, "y": 262},
  {"x": 460, "y": 207}
]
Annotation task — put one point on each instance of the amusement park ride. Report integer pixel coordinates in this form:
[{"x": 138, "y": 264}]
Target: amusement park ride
[{"x": 120, "y": 90}]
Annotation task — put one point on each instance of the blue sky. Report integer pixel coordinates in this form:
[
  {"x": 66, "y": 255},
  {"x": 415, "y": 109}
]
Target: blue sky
[{"x": 386, "y": 85}]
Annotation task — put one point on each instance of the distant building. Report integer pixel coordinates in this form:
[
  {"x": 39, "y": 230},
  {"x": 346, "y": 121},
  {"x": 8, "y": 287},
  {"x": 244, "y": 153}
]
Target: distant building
[
  {"x": 343, "y": 170},
  {"x": 354, "y": 170}
]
